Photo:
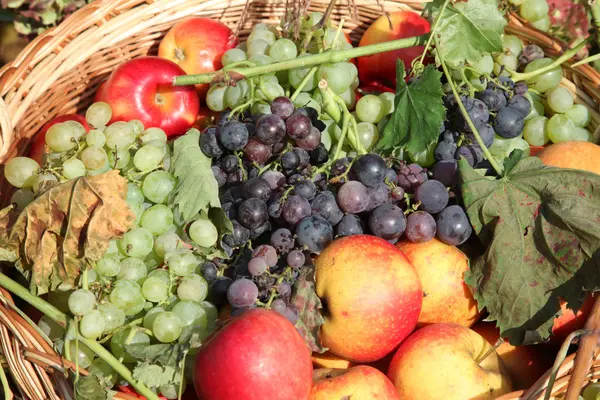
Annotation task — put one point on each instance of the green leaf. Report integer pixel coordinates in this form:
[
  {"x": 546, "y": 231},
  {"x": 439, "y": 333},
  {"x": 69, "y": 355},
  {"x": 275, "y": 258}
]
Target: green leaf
[
  {"x": 163, "y": 354},
  {"x": 308, "y": 304},
  {"x": 197, "y": 189},
  {"x": 512, "y": 160},
  {"x": 418, "y": 114},
  {"x": 89, "y": 388},
  {"x": 468, "y": 30},
  {"x": 153, "y": 375},
  {"x": 541, "y": 228}
]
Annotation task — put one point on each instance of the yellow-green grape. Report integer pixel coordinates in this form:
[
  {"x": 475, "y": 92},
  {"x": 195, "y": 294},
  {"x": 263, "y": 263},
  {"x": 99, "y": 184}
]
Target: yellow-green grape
[
  {"x": 561, "y": 128},
  {"x": 547, "y": 80},
  {"x": 95, "y": 138},
  {"x": 559, "y": 99},
  {"x": 232, "y": 56},
  {"x": 370, "y": 108},
  {"x": 535, "y": 132},
  {"x": 513, "y": 44},
  {"x": 534, "y": 10},
  {"x": 542, "y": 24},
  {"x": 485, "y": 65},
  {"x": 43, "y": 182},
  {"x": 61, "y": 137},
  {"x": 94, "y": 158},
  {"x": 387, "y": 100},
  {"x": 22, "y": 198},
  {"x": 368, "y": 135},
  {"x": 151, "y": 134},
  {"x": 98, "y": 114},
  {"x": 215, "y": 97},
  {"x": 119, "y": 136},
  {"x": 21, "y": 171},
  {"x": 579, "y": 114},
  {"x": 136, "y": 126},
  {"x": 261, "y": 34},
  {"x": 204, "y": 233},
  {"x": 581, "y": 134},
  {"x": 508, "y": 61},
  {"x": 73, "y": 168},
  {"x": 258, "y": 46},
  {"x": 119, "y": 159}
]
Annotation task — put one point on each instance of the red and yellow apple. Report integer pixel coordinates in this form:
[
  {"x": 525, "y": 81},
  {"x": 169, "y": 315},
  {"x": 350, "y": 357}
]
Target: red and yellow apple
[
  {"x": 371, "y": 294},
  {"x": 572, "y": 154},
  {"x": 257, "y": 355},
  {"x": 197, "y": 45},
  {"x": 446, "y": 361},
  {"x": 381, "y": 68},
  {"x": 441, "y": 269},
  {"x": 526, "y": 364},
  {"x": 143, "y": 89},
  {"x": 357, "y": 383},
  {"x": 570, "y": 321}
]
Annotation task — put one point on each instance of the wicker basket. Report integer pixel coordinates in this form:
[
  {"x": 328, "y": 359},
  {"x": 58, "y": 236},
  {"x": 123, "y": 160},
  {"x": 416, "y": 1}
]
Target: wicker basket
[{"x": 59, "y": 72}]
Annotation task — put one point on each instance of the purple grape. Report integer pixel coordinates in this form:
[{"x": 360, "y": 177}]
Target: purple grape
[
  {"x": 291, "y": 314},
  {"x": 432, "y": 195},
  {"x": 282, "y": 240},
  {"x": 453, "y": 225},
  {"x": 294, "y": 209},
  {"x": 340, "y": 166},
  {"x": 319, "y": 155},
  {"x": 282, "y": 107},
  {"x": 353, "y": 197},
  {"x": 470, "y": 152},
  {"x": 520, "y": 103},
  {"x": 270, "y": 129},
  {"x": 349, "y": 225},
  {"x": 509, "y": 122},
  {"x": 257, "y": 151},
  {"x": 279, "y": 306},
  {"x": 258, "y": 231},
  {"x": 446, "y": 172},
  {"x": 220, "y": 176},
  {"x": 521, "y": 87},
  {"x": 295, "y": 259},
  {"x": 391, "y": 175},
  {"x": 230, "y": 163},
  {"x": 324, "y": 204},
  {"x": 275, "y": 206},
  {"x": 238, "y": 237},
  {"x": 275, "y": 179},
  {"x": 233, "y": 135},
  {"x": 209, "y": 144},
  {"x": 398, "y": 193},
  {"x": 445, "y": 150},
  {"x": 410, "y": 176},
  {"x": 529, "y": 53},
  {"x": 387, "y": 221},
  {"x": 257, "y": 266},
  {"x": 284, "y": 289},
  {"x": 242, "y": 293},
  {"x": 268, "y": 253},
  {"x": 477, "y": 111},
  {"x": 290, "y": 161},
  {"x": 420, "y": 227},
  {"x": 493, "y": 99},
  {"x": 252, "y": 213},
  {"x": 379, "y": 195},
  {"x": 256, "y": 188},
  {"x": 487, "y": 134},
  {"x": 369, "y": 169},
  {"x": 305, "y": 189},
  {"x": 298, "y": 126},
  {"x": 219, "y": 289},
  {"x": 209, "y": 271},
  {"x": 302, "y": 155},
  {"x": 312, "y": 141},
  {"x": 314, "y": 233}
]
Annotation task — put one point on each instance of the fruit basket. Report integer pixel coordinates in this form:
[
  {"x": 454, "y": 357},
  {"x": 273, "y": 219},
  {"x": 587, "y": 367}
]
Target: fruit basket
[{"x": 60, "y": 73}]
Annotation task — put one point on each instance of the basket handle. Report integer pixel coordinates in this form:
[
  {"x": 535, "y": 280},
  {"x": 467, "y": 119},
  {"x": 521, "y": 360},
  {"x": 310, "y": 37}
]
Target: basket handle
[
  {"x": 6, "y": 129},
  {"x": 585, "y": 352}
]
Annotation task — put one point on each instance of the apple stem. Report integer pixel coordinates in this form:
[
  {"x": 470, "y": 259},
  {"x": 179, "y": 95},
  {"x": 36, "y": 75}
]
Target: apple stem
[
  {"x": 491, "y": 350},
  {"x": 332, "y": 56}
]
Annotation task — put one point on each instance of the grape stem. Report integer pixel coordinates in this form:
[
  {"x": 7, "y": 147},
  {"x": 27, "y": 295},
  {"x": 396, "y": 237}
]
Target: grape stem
[
  {"x": 567, "y": 55},
  {"x": 433, "y": 28},
  {"x": 497, "y": 167},
  {"x": 308, "y": 77},
  {"x": 334, "y": 56},
  {"x": 61, "y": 319},
  {"x": 587, "y": 60}
]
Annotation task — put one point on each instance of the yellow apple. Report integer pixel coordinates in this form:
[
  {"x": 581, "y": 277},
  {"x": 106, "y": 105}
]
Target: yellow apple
[{"x": 357, "y": 383}]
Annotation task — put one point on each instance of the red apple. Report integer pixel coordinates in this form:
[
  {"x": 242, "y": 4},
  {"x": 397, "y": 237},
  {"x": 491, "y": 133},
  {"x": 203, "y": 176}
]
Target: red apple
[
  {"x": 197, "y": 45},
  {"x": 445, "y": 361},
  {"x": 372, "y": 297},
  {"x": 143, "y": 89},
  {"x": 38, "y": 145},
  {"x": 381, "y": 68},
  {"x": 569, "y": 321},
  {"x": 257, "y": 355},
  {"x": 357, "y": 383},
  {"x": 525, "y": 363}
]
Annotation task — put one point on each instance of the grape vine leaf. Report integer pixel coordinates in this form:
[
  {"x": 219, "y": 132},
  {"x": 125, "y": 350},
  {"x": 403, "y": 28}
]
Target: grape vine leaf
[
  {"x": 154, "y": 375},
  {"x": 90, "y": 388},
  {"x": 418, "y": 113},
  {"x": 541, "y": 229},
  {"x": 8, "y": 215},
  {"x": 467, "y": 30},
  {"x": 197, "y": 189},
  {"x": 308, "y": 304},
  {"x": 70, "y": 224}
]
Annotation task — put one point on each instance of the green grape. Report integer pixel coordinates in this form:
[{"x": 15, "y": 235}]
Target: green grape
[
  {"x": 261, "y": 108},
  {"x": 166, "y": 327},
  {"x": 478, "y": 85},
  {"x": 560, "y": 128},
  {"x": 545, "y": 81},
  {"x": 119, "y": 159},
  {"x": 256, "y": 47},
  {"x": 233, "y": 55},
  {"x": 204, "y": 233},
  {"x": 117, "y": 343},
  {"x": 349, "y": 97},
  {"x": 98, "y": 114},
  {"x": 311, "y": 19},
  {"x": 335, "y": 132},
  {"x": 282, "y": 50},
  {"x": 148, "y": 158},
  {"x": 338, "y": 76},
  {"x": 50, "y": 328},
  {"x": 132, "y": 269},
  {"x": 559, "y": 99},
  {"x": 104, "y": 371},
  {"x": 73, "y": 168},
  {"x": 236, "y": 95},
  {"x": 331, "y": 34},
  {"x": 503, "y": 62},
  {"x": 190, "y": 312},
  {"x": 215, "y": 97},
  {"x": 387, "y": 101},
  {"x": 157, "y": 186},
  {"x": 424, "y": 158},
  {"x": 138, "y": 243},
  {"x": 305, "y": 100},
  {"x": 134, "y": 194},
  {"x": 535, "y": 132},
  {"x": 114, "y": 317},
  {"x": 22, "y": 198},
  {"x": 192, "y": 287},
  {"x": 485, "y": 65},
  {"x": 542, "y": 24},
  {"x": 77, "y": 129},
  {"x": 119, "y": 135},
  {"x": 153, "y": 134},
  {"x": 91, "y": 276},
  {"x": 157, "y": 219},
  {"x": 534, "y": 10},
  {"x": 273, "y": 89},
  {"x": 137, "y": 126},
  {"x": 211, "y": 311},
  {"x": 61, "y": 137},
  {"x": 370, "y": 108},
  {"x": 81, "y": 302},
  {"x": 94, "y": 158},
  {"x": 81, "y": 354},
  {"x": 95, "y": 138},
  {"x": 579, "y": 114},
  {"x": 326, "y": 135},
  {"x": 154, "y": 289},
  {"x": 160, "y": 273},
  {"x": 591, "y": 391},
  {"x": 21, "y": 171},
  {"x": 127, "y": 295},
  {"x": 150, "y": 316},
  {"x": 113, "y": 249},
  {"x": 105, "y": 168},
  {"x": 261, "y": 34},
  {"x": 167, "y": 242},
  {"x": 181, "y": 262},
  {"x": 297, "y": 75},
  {"x": 263, "y": 59},
  {"x": 368, "y": 134},
  {"x": 92, "y": 325},
  {"x": 43, "y": 182},
  {"x": 152, "y": 261},
  {"x": 513, "y": 44},
  {"x": 581, "y": 134}
]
